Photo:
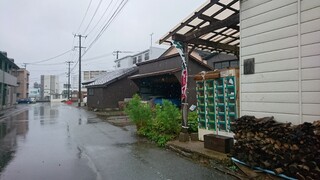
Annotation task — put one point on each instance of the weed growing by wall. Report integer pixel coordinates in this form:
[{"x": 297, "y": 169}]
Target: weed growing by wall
[{"x": 160, "y": 124}]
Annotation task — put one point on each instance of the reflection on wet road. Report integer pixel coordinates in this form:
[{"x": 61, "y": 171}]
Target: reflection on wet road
[{"x": 56, "y": 141}]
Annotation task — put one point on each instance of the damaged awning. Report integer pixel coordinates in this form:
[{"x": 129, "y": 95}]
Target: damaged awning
[{"x": 213, "y": 27}]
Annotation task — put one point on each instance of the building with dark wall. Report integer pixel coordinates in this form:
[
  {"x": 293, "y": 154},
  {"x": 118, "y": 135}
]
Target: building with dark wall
[
  {"x": 161, "y": 78},
  {"x": 106, "y": 90},
  {"x": 23, "y": 83},
  {"x": 8, "y": 81},
  {"x": 222, "y": 60}
]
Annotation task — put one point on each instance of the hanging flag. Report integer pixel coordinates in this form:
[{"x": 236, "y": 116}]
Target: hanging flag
[{"x": 184, "y": 74}]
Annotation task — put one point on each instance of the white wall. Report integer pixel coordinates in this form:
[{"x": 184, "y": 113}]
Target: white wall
[
  {"x": 127, "y": 61},
  {"x": 284, "y": 39},
  {"x": 156, "y": 52},
  {"x": 50, "y": 85}
]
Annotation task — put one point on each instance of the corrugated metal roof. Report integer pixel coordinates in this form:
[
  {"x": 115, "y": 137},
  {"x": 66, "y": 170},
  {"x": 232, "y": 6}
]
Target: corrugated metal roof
[
  {"x": 213, "y": 27},
  {"x": 109, "y": 77}
]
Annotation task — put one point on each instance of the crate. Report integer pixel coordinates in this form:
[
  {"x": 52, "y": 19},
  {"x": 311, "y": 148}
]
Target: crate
[{"x": 218, "y": 143}]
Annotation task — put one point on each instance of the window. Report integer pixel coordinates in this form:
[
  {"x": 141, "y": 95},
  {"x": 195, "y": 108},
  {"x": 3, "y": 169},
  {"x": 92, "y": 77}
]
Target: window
[
  {"x": 90, "y": 92},
  {"x": 217, "y": 65},
  {"x": 134, "y": 60},
  {"x": 234, "y": 63},
  {"x": 139, "y": 58},
  {"x": 225, "y": 64},
  {"x": 146, "y": 56}
]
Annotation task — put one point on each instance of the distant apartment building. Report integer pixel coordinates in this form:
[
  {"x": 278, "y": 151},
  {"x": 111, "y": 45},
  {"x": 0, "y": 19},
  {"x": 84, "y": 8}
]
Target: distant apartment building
[
  {"x": 23, "y": 83},
  {"x": 131, "y": 60},
  {"x": 8, "y": 81},
  {"x": 85, "y": 76},
  {"x": 91, "y": 74},
  {"x": 49, "y": 87},
  {"x": 36, "y": 85}
]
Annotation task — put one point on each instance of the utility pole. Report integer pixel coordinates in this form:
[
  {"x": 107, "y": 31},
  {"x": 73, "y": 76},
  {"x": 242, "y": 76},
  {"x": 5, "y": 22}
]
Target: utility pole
[
  {"x": 80, "y": 47},
  {"x": 117, "y": 53},
  {"x": 25, "y": 65},
  {"x": 151, "y": 39},
  {"x": 69, "y": 62}
]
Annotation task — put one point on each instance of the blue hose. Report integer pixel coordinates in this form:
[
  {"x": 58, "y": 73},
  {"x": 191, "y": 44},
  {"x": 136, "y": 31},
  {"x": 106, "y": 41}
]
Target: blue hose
[{"x": 264, "y": 170}]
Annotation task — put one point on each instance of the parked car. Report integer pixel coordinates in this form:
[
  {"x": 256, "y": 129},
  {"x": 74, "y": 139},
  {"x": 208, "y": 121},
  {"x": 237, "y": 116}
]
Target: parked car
[
  {"x": 25, "y": 101},
  {"x": 33, "y": 100}
]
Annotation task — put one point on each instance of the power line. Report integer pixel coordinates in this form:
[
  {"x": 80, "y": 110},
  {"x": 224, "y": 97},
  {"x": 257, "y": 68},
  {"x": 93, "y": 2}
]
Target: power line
[
  {"x": 114, "y": 15},
  {"x": 36, "y": 62},
  {"x": 60, "y": 63},
  {"x": 84, "y": 15},
  {"x": 105, "y": 26},
  {"x": 97, "y": 57},
  {"x": 94, "y": 14},
  {"x": 101, "y": 17}
]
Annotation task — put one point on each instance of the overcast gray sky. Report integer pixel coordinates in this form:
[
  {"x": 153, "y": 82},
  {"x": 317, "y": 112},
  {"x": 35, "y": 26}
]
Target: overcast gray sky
[{"x": 36, "y": 30}]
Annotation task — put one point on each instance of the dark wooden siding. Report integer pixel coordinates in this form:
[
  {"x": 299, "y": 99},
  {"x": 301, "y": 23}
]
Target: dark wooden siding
[
  {"x": 109, "y": 96},
  {"x": 170, "y": 63},
  {"x": 194, "y": 68},
  {"x": 175, "y": 62},
  {"x": 95, "y": 100}
]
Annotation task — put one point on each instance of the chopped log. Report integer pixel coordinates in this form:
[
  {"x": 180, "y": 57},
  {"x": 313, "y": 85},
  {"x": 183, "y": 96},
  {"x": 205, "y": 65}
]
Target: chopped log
[
  {"x": 299, "y": 176},
  {"x": 278, "y": 170},
  {"x": 293, "y": 150}
]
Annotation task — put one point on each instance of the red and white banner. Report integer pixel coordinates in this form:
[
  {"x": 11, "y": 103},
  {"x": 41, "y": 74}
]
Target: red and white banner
[
  {"x": 184, "y": 73},
  {"x": 184, "y": 82}
]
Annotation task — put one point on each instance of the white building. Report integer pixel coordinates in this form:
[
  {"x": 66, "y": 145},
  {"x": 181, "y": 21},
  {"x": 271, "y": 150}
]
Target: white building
[
  {"x": 282, "y": 39},
  {"x": 35, "y": 93},
  {"x": 131, "y": 60},
  {"x": 49, "y": 87},
  {"x": 278, "y": 43},
  {"x": 87, "y": 75}
]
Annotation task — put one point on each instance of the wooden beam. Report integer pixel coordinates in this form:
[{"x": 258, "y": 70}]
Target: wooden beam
[
  {"x": 207, "y": 18},
  {"x": 230, "y": 21},
  {"x": 229, "y": 5},
  {"x": 179, "y": 37},
  {"x": 215, "y": 45},
  {"x": 213, "y": 20},
  {"x": 195, "y": 15}
]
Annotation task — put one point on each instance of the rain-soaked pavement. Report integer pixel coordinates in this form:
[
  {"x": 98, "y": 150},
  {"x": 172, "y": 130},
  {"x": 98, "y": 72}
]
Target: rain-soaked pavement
[{"x": 59, "y": 142}]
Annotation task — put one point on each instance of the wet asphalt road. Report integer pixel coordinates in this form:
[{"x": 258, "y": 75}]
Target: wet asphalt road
[{"x": 59, "y": 142}]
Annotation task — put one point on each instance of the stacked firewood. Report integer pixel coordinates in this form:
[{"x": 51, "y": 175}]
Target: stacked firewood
[{"x": 281, "y": 147}]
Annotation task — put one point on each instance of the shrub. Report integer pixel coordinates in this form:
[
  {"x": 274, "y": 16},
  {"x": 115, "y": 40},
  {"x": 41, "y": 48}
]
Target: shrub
[
  {"x": 159, "y": 125},
  {"x": 193, "y": 121},
  {"x": 167, "y": 123},
  {"x": 168, "y": 118},
  {"x": 139, "y": 112}
]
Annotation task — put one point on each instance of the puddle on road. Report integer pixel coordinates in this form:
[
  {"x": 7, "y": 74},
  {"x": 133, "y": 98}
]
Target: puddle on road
[
  {"x": 46, "y": 151},
  {"x": 92, "y": 120},
  {"x": 10, "y": 128}
]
